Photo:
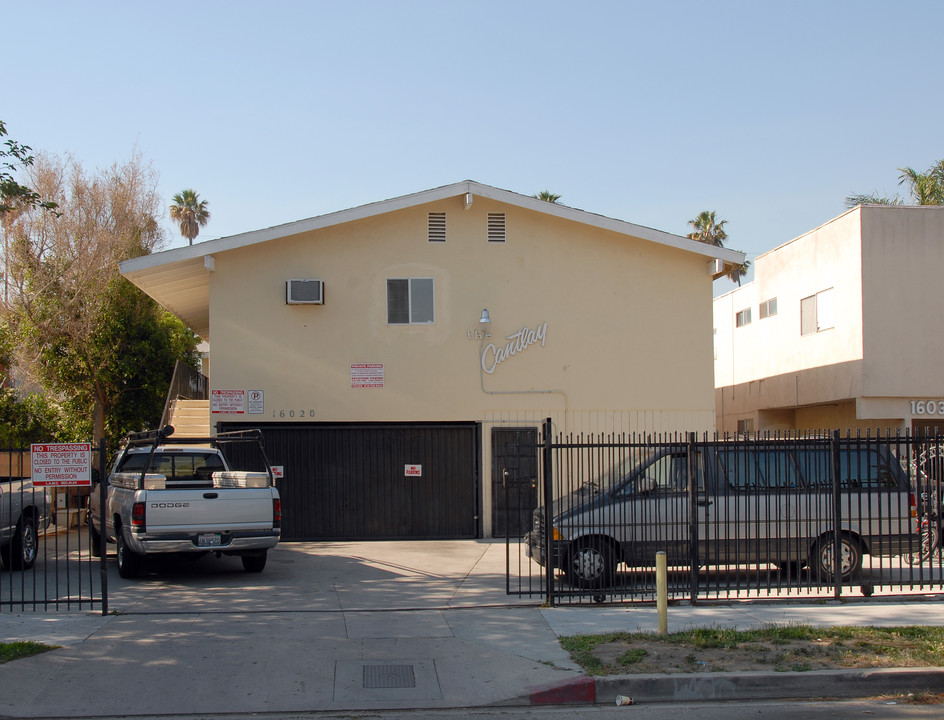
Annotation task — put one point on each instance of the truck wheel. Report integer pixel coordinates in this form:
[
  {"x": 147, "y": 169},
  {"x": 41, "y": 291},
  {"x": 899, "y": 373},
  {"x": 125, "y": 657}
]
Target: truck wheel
[
  {"x": 591, "y": 564},
  {"x": 21, "y": 553},
  {"x": 823, "y": 562},
  {"x": 129, "y": 562},
  {"x": 255, "y": 563}
]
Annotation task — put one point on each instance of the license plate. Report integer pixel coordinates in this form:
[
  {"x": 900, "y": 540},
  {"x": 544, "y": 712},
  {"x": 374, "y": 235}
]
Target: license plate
[{"x": 209, "y": 540}]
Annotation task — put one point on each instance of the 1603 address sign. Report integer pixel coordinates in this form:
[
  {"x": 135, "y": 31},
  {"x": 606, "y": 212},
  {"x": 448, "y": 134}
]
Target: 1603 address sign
[{"x": 927, "y": 407}]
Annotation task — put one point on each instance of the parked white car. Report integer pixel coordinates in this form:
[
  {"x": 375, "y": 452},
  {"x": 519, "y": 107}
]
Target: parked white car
[{"x": 24, "y": 515}]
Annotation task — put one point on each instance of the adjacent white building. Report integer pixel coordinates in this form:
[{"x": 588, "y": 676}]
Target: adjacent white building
[{"x": 840, "y": 328}]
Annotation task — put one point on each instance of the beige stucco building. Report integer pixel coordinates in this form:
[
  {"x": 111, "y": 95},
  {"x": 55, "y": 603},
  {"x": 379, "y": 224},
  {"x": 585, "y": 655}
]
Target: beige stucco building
[
  {"x": 840, "y": 328},
  {"x": 356, "y": 341}
]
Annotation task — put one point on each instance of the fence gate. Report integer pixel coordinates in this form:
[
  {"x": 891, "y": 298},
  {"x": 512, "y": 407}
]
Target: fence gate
[
  {"x": 514, "y": 480},
  {"x": 45, "y": 558}
]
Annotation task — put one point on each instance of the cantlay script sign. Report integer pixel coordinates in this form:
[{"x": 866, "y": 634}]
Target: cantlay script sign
[{"x": 494, "y": 355}]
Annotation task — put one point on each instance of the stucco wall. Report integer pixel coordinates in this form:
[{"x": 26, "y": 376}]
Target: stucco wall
[
  {"x": 827, "y": 257},
  {"x": 903, "y": 260},
  {"x": 628, "y": 321}
]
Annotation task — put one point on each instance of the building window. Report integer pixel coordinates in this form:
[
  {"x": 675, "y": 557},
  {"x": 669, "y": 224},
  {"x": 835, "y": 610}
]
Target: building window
[
  {"x": 743, "y": 318},
  {"x": 436, "y": 227},
  {"x": 768, "y": 308},
  {"x": 409, "y": 301},
  {"x": 745, "y": 427},
  {"x": 817, "y": 312},
  {"x": 496, "y": 227}
]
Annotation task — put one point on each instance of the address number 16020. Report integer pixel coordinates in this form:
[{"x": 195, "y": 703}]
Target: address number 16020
[{"x": 306, "y": 413}]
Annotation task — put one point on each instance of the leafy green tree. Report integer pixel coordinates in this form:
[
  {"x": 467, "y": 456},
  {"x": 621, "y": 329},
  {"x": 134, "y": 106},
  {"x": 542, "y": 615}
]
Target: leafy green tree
[
  {"x": 12, "y": 194},
  {"x": 95, "y": 343},
  {"x": 190, "y": 212},
  {"x": 127, "y": 367},
  {"x": 707, "y": 228},
  {"x": 23, "y": 420}
]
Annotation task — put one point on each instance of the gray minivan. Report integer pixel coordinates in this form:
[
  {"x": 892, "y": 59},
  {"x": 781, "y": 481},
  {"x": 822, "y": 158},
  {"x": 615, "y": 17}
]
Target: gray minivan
[{"x": 753, "y": 503}]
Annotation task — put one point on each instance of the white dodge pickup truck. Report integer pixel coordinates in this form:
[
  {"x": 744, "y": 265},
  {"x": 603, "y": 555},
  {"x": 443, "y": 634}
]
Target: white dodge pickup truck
[{"x": 183, "y": 498}]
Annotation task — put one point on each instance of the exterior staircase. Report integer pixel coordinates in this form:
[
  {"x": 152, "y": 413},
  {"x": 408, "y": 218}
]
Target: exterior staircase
[{"x": 190, "y": 418}]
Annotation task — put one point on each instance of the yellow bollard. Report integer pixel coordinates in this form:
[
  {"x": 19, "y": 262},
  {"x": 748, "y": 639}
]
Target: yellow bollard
[{"x": 662, "y": 592}]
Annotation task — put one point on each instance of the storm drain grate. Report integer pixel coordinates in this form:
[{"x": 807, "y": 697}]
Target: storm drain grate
[{"x": 389, "y": 676}]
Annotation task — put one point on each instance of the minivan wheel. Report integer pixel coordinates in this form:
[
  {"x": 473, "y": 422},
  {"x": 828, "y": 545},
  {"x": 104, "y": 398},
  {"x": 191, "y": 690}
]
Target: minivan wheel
[
  {"x": 591, "y": 565},
  {"x": 850, "y": 558}
]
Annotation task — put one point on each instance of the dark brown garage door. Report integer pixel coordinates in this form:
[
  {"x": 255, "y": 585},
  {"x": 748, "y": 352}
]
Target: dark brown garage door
[{"x": 383, "y": 481}]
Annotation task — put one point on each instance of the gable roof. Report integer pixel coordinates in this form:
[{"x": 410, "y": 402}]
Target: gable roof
[{"x": 179, "y": 278}]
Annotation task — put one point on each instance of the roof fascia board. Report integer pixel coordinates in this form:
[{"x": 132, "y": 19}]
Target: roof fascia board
[
  {"x": 253, "y": 237},
  {"x": 601, "y": 221},
  {"x": 403, "y": 202}
]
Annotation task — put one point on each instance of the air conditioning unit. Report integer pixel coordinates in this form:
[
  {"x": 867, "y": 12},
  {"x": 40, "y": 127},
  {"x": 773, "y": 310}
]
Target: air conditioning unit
[{"x": 304, "y": 292}]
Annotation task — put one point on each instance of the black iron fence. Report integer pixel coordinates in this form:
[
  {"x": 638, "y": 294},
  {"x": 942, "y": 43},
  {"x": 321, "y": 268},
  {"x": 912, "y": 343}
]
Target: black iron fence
[
  {"x": 45, "y": 558},
  {"x": 810, "y": 516}
]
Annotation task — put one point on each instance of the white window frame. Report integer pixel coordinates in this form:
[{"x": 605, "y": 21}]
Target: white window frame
[
  {"x": 768, "y": 308},
  {"x": 742, "y": 318},
  {"x": 818, "y": 312},
  {"x": 416, "y": 313}
]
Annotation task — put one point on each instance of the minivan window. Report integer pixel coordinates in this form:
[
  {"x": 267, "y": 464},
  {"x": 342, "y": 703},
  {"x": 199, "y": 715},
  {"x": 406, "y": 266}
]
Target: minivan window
[
  {"x": 864, "y": 469},
  {"x": 665, "y": 474},
  {"x": 758, "y": 469},
  {"x": 858, "y": 468}
]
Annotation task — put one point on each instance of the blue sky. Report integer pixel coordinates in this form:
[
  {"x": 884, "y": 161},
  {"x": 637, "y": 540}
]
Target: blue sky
[{"x": 768, "y": 113}]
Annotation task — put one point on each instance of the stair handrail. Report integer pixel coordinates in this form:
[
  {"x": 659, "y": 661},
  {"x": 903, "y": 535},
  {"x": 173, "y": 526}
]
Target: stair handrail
[{"x": 186, "y": 383}]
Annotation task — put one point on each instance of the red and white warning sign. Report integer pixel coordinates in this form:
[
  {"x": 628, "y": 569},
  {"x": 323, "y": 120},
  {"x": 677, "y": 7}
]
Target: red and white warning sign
[
  {"x": 228, "y": 402},
  {"x": 61, "y": 464},
  {"x": 367, "y": 375}
]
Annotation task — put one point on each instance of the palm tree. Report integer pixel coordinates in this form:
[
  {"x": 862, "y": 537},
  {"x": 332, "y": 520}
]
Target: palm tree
[
  {"x": 707, "y": 228},
  {"x": 190, "y": 213},
  {"x": 926, "y": 188},
  {"x": 547, "y": 196},
  {"x": 872, "y": 199}
]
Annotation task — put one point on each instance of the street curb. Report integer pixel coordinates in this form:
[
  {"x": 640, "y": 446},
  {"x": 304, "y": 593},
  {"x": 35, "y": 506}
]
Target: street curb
[
  {"x": 765, "y": 685},
  {"x": 760, "y": 685},
  {"x": 576, "y": 691}
]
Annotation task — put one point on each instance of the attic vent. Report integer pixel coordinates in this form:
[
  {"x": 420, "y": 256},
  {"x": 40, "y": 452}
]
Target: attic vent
[
  {"x": 304, "y": 292},
  {"x": 496, "y": 227},
  {"x": 436, "y": 231}
]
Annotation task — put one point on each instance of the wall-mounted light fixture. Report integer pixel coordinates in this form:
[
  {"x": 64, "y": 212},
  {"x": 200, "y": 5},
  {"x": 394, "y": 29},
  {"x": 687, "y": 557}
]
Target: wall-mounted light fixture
[{"x": 485, "y": 319}]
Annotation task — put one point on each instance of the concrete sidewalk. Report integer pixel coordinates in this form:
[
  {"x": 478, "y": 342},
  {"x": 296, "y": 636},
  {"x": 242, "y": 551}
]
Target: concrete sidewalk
[{"x": 344, "y": 626}]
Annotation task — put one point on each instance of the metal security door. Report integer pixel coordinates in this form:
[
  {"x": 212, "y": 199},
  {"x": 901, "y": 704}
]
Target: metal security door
[
  {"x": 514, "y": 480},
  {"x": 350, "y": 481}
]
